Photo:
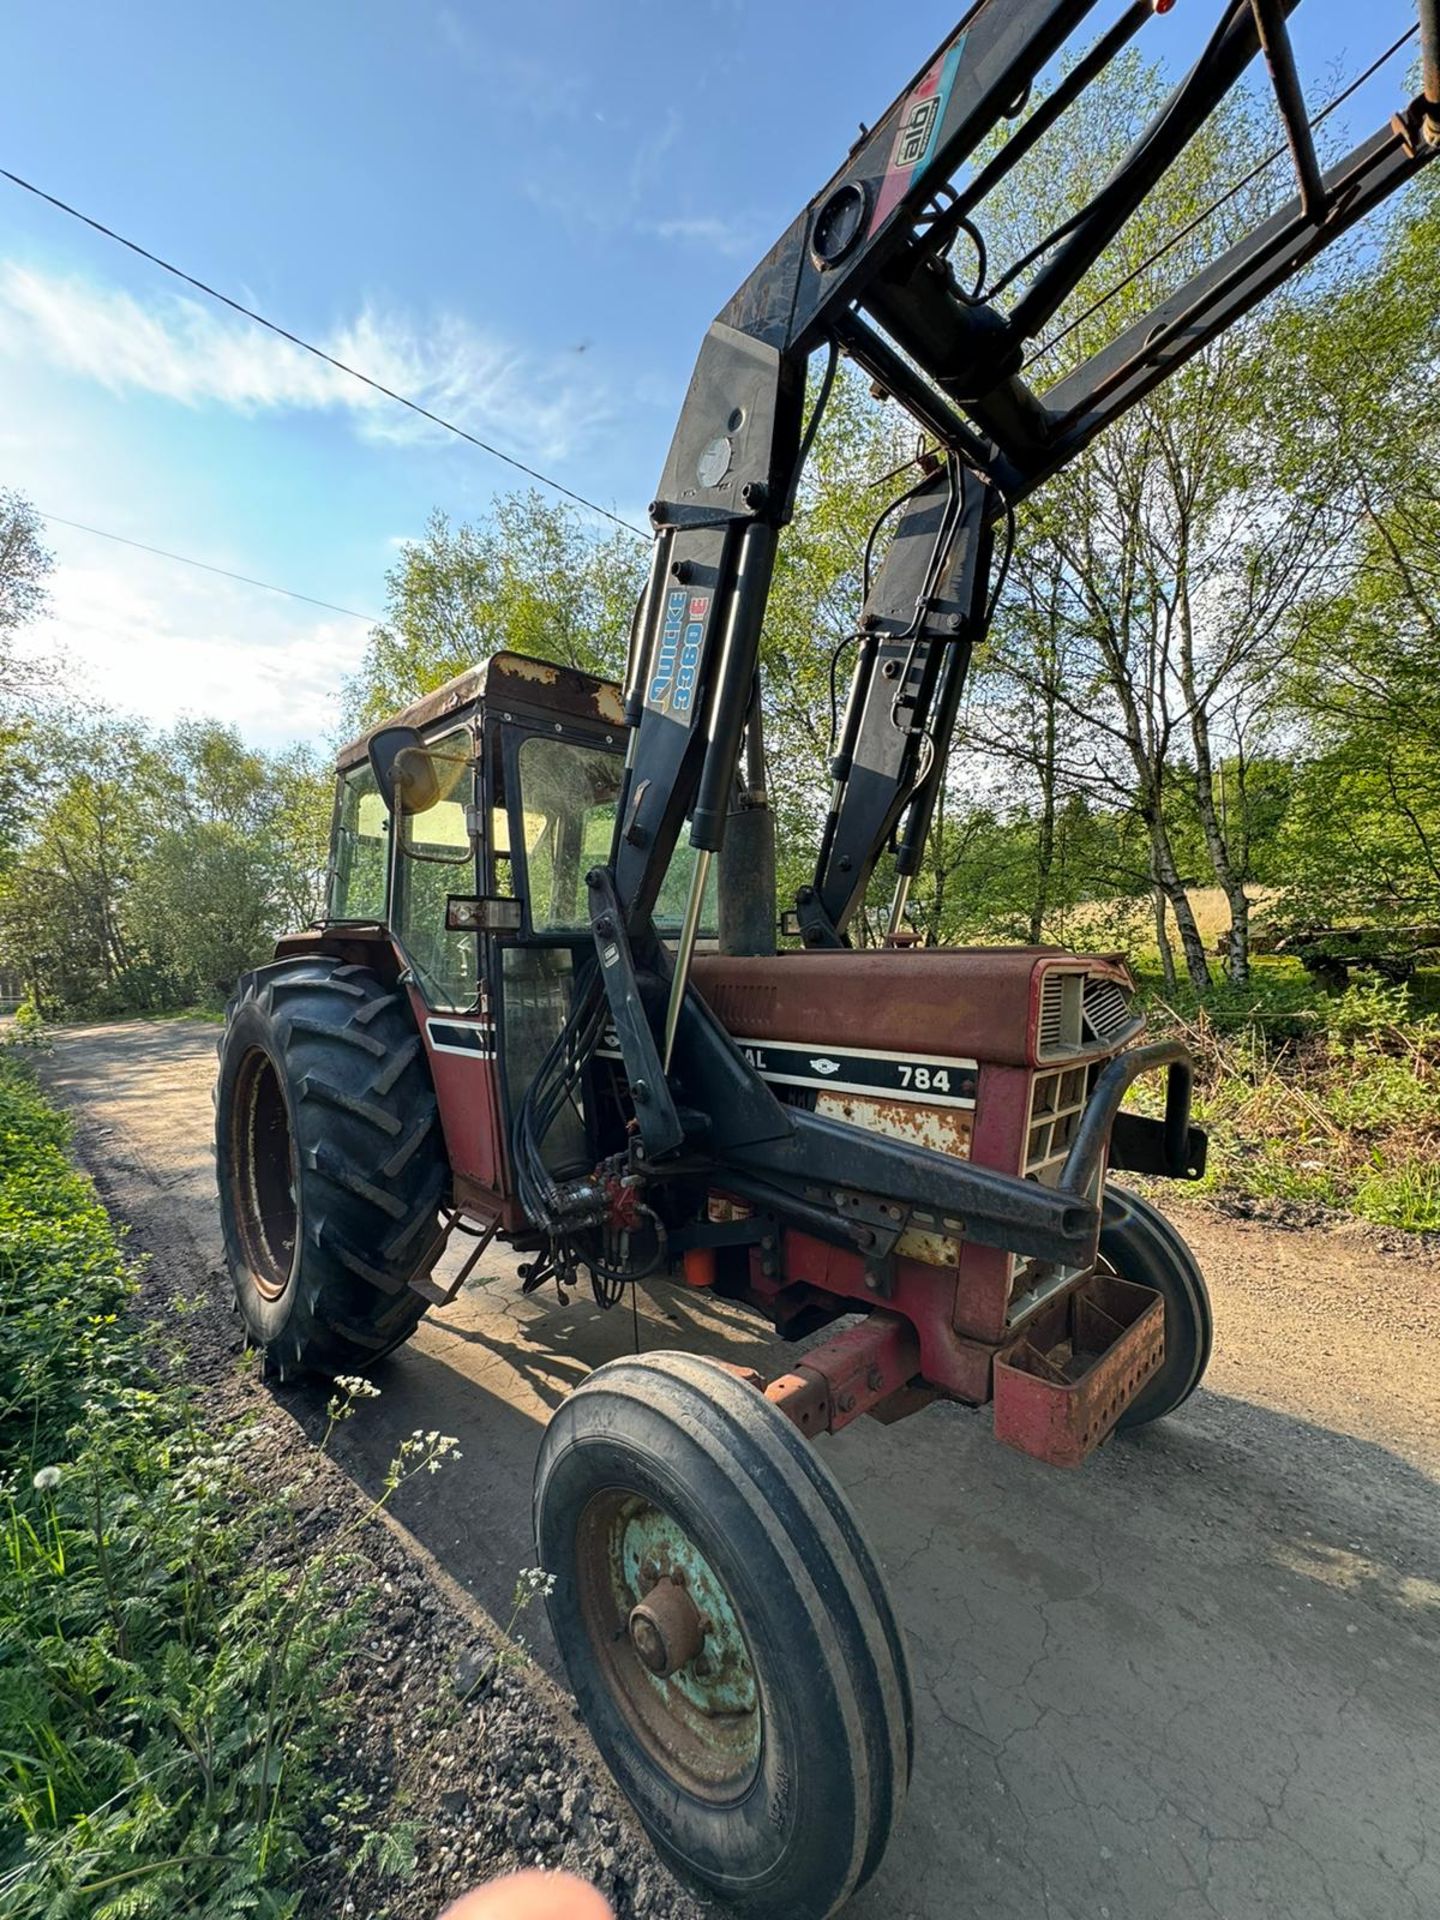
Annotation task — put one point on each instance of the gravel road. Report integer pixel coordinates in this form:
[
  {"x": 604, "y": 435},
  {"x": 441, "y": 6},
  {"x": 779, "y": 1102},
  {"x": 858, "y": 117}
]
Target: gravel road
[{"x": 1197, "y": 1680}]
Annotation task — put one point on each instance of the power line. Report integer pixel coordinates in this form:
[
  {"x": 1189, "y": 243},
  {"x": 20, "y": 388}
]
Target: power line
[
  {"x": 205, "y": 566},
  {"x": 319, "y": 353}
]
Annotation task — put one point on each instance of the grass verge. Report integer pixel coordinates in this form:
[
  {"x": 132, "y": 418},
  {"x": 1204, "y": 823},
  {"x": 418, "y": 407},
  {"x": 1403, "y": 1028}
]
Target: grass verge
[{"x": 167, "y": 1684}]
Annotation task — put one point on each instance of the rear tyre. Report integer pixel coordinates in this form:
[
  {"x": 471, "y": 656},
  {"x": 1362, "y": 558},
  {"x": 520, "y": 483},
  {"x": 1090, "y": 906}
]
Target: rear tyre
[
  {"x": 727, "y": 1633},
  {"x": 330, "y": 1164},
  {"x": 1138, "y": 1243}
]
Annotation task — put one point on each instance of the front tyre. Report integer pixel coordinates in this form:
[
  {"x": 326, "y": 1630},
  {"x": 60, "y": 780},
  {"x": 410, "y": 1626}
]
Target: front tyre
[
  {"x": 330, "y": 1164},
  {"x": 726, "y": 1631},
  {"x": 1138, "y": 1243}
]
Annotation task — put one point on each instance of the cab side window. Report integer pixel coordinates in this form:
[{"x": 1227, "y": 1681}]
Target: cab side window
[
  {"x": 362, "y": 849},
  {"x": 437, "y": 859}
]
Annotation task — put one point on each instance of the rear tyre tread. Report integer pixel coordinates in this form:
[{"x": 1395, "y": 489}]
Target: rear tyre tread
[
  {"x": 350, "y": 1035},
  {"x": 406, "y": 1150},
  {"x": 374, "y": 1008},
  {"x": 393, "y": 1069},
  {"x": 333, "y": 1169},
  {"x": 313, "y": 1088},
  {"x": 371, "y": 1169}
]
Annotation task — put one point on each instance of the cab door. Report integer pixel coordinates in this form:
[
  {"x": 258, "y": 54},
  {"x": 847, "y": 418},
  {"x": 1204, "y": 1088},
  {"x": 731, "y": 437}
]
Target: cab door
[{"x": 437, "y": 854}]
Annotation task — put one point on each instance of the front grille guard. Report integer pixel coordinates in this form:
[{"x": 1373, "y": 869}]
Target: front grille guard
[{"x": 1170, "y": 1147}]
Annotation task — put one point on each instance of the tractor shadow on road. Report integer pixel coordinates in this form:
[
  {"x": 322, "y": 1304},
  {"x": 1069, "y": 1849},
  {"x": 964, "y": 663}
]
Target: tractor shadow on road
[
  {"x": 1163, "y": 1657},
  {"x": 1222, "y": 1480}
]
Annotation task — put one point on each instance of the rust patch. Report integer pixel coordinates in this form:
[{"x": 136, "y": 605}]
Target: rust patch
[
  {"x": 516, "y": 676},
  {"x": 943, "y": 1129},
  {"x": 524, "y": 668},
  {"x": 848, "y": 1374}
]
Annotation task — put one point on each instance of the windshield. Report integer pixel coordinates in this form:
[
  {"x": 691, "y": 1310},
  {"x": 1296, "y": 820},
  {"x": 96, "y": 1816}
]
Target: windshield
[{"x": 568, "y": 795}]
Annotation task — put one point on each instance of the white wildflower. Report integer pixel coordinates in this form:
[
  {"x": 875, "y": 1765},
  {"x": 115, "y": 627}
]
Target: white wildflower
[
  {"x": 46, "y": 1480},
  {"x": 357, "y": 1387}
]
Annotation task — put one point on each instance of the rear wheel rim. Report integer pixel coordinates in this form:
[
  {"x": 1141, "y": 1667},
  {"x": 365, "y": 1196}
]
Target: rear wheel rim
[
  {"x": 265, "y": 1175},
  {"x": 701, "y": 1723}
]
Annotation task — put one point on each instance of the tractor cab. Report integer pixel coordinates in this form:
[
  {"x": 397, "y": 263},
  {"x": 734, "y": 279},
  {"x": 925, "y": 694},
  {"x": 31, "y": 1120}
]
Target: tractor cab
[
  {"x": 462, "y": 833},
  {"x": 474, "y": 811}
]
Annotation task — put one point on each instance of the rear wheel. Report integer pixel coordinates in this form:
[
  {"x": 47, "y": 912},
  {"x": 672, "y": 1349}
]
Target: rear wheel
[
  {"x": 330, "y": 1164},
  {"x": 1138, "y": 1243},
  {"x": 726, "y": 1631}
]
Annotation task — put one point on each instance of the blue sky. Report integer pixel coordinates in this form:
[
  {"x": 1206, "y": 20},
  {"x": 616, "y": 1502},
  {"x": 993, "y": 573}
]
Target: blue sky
[{"x": 524, "y": 215}]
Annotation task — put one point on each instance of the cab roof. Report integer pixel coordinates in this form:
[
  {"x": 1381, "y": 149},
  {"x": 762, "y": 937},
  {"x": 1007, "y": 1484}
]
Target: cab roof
[{"x": 504, "y": 680}]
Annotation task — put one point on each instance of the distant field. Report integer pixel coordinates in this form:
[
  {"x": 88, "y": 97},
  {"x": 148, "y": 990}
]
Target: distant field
[{"x": 1130, "y": 923}]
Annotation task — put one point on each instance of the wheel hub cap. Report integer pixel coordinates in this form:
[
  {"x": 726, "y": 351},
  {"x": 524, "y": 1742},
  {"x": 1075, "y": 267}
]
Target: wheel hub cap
[{"x": 665, "y": 1628}]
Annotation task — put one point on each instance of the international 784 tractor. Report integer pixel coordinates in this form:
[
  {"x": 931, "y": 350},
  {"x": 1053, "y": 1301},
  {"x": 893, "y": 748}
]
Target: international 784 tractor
[{"x": 522, "y": 1017}]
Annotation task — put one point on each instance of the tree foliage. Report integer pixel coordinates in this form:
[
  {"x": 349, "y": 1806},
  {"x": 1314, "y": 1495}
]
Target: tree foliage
[
  {"x": 531, "y": 578},
  {"x": 151, "y": 868}
]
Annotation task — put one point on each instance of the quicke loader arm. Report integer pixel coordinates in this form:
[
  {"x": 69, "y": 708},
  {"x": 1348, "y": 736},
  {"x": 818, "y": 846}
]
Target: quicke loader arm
[{"x": 865, "y": 270}]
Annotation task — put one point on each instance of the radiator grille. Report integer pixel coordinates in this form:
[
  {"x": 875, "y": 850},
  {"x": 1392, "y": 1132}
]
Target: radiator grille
[
  {"x": 1056, "y": 1102},
  {"x": 1060, "y": 1012},
  {"x": 1080, "y": 1012},
  {"x": 1106, "y": 1008},
  {"x": 1052, "y": 1013}
]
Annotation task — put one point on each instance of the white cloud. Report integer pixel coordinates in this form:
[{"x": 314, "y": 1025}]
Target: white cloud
[
  {"x": 145, "y": 637},
  {"x": 186, "y": 351},
  {"x": 541, "y": 90},
  {"x": 732, "y": 238}
]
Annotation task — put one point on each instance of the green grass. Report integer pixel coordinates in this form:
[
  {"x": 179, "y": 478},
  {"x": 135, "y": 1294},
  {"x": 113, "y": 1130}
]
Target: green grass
[
  {"x": 168, "y": 1686},
  {"x": 1314, "y": 1099}
]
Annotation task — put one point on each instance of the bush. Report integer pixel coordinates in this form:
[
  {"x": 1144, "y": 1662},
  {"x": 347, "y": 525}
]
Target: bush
[
  {"x": 1407, "y": 1195},
  {"x": 1314, "y": 1099},
  {"x": 1279, "y": 1002}
]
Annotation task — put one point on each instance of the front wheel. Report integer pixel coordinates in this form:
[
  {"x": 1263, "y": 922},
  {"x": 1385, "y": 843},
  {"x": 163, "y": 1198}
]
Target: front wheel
[
  {"x": 727, "y": 1633},
  {"x": 1138, "y": 1243}
]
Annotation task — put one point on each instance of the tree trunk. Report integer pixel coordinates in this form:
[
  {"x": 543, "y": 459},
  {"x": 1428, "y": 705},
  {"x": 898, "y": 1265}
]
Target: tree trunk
[
  {"x": 1226, "y": 870},
  {"x": 1162, "y": 936},
  {"x": 1167, "y": 877},
  {"x": 1045, "y": 846}
]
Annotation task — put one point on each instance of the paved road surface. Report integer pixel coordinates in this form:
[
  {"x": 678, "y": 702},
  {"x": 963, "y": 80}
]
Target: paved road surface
[{"x": 1198, "y": 1680}]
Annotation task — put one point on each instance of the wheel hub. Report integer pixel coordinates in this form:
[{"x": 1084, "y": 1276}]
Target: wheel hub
[
  {"x": 666, "y": 1628},
  {"x": 669, "y": 1644}
]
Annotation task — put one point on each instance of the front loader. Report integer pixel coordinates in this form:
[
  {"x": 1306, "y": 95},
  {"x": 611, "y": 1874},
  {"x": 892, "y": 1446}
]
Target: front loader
[{"x": 545, "y": 1003}]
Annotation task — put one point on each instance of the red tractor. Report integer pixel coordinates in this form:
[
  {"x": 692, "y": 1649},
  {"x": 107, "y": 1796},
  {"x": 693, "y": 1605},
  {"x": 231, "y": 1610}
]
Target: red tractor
[{"x": 531, "y": 1012}]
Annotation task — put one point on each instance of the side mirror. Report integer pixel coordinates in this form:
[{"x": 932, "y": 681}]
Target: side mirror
[
  {"x": 481, "y": 913},
  {"x": 403, "y": 770}
]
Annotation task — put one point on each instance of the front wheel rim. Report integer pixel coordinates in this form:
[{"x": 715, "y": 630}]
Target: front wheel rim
[{"x": 668, "y": 1644}]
